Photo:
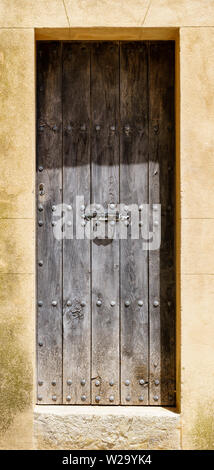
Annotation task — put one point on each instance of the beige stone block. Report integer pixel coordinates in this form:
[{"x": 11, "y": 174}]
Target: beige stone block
[
  {"x": 89, "y": 13},
  {"x": 197, "y": 121},
  {"x": 197, "y": 352},
  {"x": 17, "y": 246},
  {"x": 17, "y": 357},
  {"x": 180, "y": 13},
  {"x": 197, "y": 247},
  {"x": 89, "y": 427},
  {"x": 31, "y": 13},
  {"x": 17, "y": 123}
]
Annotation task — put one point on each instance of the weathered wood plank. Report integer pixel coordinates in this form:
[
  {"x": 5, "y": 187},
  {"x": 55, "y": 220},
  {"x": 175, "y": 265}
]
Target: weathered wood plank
[
  {"x": 134, "y": 190},
  {"x": 105, "y": 191},
  {"x": 161, "y": 190},
  {"x": 76, "y": 252},
  {"x": 49, "y": 250}
]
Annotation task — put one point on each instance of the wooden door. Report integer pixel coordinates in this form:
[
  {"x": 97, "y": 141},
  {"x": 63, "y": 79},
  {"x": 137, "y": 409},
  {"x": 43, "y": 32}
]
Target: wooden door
[{"x": 105, "y": 192}]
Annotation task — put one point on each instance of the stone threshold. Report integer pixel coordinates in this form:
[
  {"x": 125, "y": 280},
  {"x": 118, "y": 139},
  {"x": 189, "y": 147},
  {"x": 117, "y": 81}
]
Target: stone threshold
[{"x": 106, "y": 427}]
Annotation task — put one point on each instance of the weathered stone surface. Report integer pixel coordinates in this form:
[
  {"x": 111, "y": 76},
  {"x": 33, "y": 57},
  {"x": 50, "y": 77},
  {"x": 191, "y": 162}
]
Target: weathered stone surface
[
  {"x": 180, "y": 13},
  {"x": 197, "y": 246},
  {"x": 87, "y": 427},
  {"x": 32, "y": 14},
  {"x": 17, "y": 246}
]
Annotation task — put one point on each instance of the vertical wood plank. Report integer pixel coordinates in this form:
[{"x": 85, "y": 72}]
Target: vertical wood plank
[
  {"x": 161, "y": 190},
  {"x": 76, "y": 252},
  {"x": 105, "y": 191},
  {"x": 134, "y": 190},
  {"x": 49, "y": 250}
]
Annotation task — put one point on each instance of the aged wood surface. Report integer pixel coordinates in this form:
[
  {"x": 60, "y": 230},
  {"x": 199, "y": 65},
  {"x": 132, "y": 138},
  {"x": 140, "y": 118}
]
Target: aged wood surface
[
  {"x": 49, "y": 250},
  {"x": 105, "y": 252},
  {"x": 161, "y": 190},
  {"x": 76, "y": 252},
  {"x": 134, "y": 190}
]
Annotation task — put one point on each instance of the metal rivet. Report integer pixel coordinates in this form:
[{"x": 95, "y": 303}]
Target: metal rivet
[
  {"x": 53, "y": 383},
  {"x": 126, "y": 208},
  {"x": 155, "y": 303},
  {"x": 155, "y": 207},
  {"x": 40, "y": 382},
  {"x": 140, "y": 303},
  {"x": 98, "y": 206},
  {"x": 82, "y": 208},
  {"x": 69, "y": 208},
  {"x": 155, "y": 364},
  {"x": 54, "y": 303},
  {"x": 157, "y": 382},
  {"x": 112, "y": 206},
  {"x": 69, "y": 128},
  {"x": 140, "y": 207},
  {"x": 141, "y": 382},
  {"x": 83, "y": 224},
  {"x": 83, "y": 397},
  {"x": 113, "y": 303},
  {"x": 69, "y": 223},
  {"x": 112, "y": 223},
  {"x": 40, "y": 223},
  {"x": 41, "y": 168},
  {"x": 99, "y": 302},
  {"x": 40, "y": 263},
  {"x": 111, "y": 383},
  {"x": 40, "y": 303},
  {"x": 97, "y": 383},
  {"x": 141, "y": 398},
  {"x": 83, "y": 303},
  {"x": 54, "y": 128},
  {"x": 127, "y": 303},
  {"x": 83, "y": 382},
  {"x": 83, "y": 127},
  {"x": 40, "y": 207},
  {"x": 112, "y": 128},
  {"x": 68, "y": 398},
  {"x": 156, "y": 397},
  {"x": 68, "y": 303},
  {"x": 128, "y": 398},
  {"x": 111, "y": 398},
  {"x": 40, "y": 343},
  {"x": 97, "y": 128},
  {"x": 97, "y": 398},
  {"x": 127, "y": 382},
  {"x": 39, "y": 397},
  {"x": 169, "y": 303},
  {"x": 97, "y": 223},
  {"x": 54, "y": 398},
  {"x": 126, "y": 223},
  {"x": 53, "y": 223},
  {"x": 140, "y": 223},
  {"x": 53, "y": 208},
  {"x": 156, "y": 223},
  {"x": 69, "y": 382}
]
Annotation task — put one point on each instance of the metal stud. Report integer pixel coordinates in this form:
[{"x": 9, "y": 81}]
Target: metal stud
[
  {"x": 83, "y": 224},
  {"x": 126, "y": 208},
  {"x": 140, "y": 207},
  {"x": 97, "y": 223},
  {"x": 113, "y": 303},
  {"x": 40, "y": 207},
  {"x": 97, "y": 398},
  {"x": 53, "y": 208},
  {"x": 112, "y": 206},
  {"x": 111, "y": 398},
  {"x": 83, "y": 303},
  {"x": 141, "y": 382},
  {"x": 111, "y": 383},
  {"x": 157, "y": 382},
  {"x": 83, "y": 397},
  {"x": 126, "y": 223},
  {"x": 83, "y": 382},
  {"x": 40, "y": 263},
  {"x": 69, "y": 382},
  {"x": 53, "y": 383},
  {"x": 140, "y": 223},
  {"x": 68, "y": 303},
  {"x": 112, "y": 223},
  {"x": 82, "y": 208},
  {"x": 40, "y": 344},
  {"x": 83, "y": 127},
  {"x": 69, "y": 208},
  {"x": 98, "y": 206},
  {"x": 97, "y": 128},
  {"x": 155, "y": 303},
  {"x": 40, "y": 223},
  {"x": 54, "y": 127},
  {"x": 68, "y": 398},
  {"x": 127, "y": 382},
  {"x": 41, "y": 168},
  {"x": 99, "y": 303},
  {"x": 69, "y": 128},
  {"x": 97, "y": 383},
  {"x": 155, "y": 364},
  {"x": 40, "y": 383},
  {"x": 69, "y": 223},
  {"x": 140, "y": 303},
  {"x": 39, "y": 397},
  {"x": 127, "y": 303},
  {"x": 41, "y": 128},
  {"x": 155, "y": 207},
  {"x": 112, "y": 128},
  {"x": 40, "y": 303},
  {"x": 156, "y": 223},
  {"x": 54, "y": 398},
  {"x": 128, "y": 398},
  {"x": 53, "y": 223},
  {"x": 54, "y": 303},
  {"x": 141, "y": 398},
  {"x": 156, "y": 398}
]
